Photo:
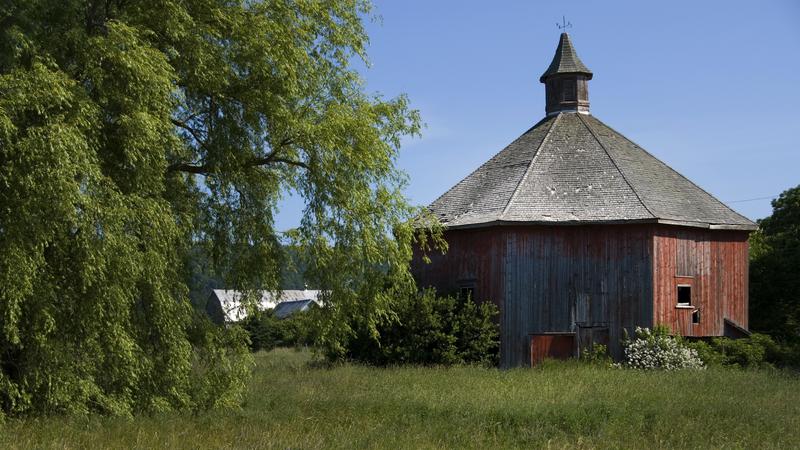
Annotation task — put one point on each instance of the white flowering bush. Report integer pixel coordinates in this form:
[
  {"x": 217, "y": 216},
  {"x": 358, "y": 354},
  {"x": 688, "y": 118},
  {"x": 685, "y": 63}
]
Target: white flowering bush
[{"x": 656, "y": 349}]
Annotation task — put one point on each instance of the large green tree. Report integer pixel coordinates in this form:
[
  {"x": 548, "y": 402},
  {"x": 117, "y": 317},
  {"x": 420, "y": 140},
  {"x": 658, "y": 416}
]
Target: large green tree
[
  {"x": 132, "y": 132},
  {"x": 775, "y": 270}
]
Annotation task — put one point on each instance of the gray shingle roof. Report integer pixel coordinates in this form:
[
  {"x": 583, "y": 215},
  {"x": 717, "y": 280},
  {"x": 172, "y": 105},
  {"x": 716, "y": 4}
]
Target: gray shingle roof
[
  {"x": 571, "y": 168},
  {"x": 286, "y": 309},
  {"x": 565, "y": 60}
]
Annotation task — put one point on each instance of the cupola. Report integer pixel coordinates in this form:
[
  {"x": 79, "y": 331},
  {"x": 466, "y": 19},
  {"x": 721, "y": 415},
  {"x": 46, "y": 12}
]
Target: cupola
[{"x": 566, "y": 80}]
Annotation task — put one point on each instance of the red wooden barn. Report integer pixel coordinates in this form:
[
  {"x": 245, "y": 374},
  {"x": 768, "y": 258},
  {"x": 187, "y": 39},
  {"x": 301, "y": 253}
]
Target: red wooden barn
[{"x": 577, "y": 234}]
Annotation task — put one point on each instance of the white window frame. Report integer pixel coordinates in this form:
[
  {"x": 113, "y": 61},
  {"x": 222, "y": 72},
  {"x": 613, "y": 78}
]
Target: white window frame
[{"x": 678, "y": 304}]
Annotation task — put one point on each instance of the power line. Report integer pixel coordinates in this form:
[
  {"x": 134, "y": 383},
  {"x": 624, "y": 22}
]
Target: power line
[{"x": 754, "y": 199}]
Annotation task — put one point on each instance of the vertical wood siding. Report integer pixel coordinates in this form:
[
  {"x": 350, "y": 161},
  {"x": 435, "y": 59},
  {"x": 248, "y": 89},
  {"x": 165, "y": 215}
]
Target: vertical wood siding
[
  {"x": 475, "y": 258},
  {"x": 715, "y": 264},
  {"x": 551, "y": 279},
  {"x": 594, "y": 281},
  {"x": 569, "y": 279}
]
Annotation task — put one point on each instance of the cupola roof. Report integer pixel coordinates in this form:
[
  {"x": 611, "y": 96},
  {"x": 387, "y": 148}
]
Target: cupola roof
[{"x": 565, "y": 60}]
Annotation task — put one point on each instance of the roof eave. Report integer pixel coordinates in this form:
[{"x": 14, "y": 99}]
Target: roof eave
[
  {"x": 545, "y": 76},
  {"x": 752, "y": 227},
  {"x": 710, "y": 226}
]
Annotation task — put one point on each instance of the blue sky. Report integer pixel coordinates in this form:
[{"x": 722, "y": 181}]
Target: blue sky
[{"x": 712, "y": 88}]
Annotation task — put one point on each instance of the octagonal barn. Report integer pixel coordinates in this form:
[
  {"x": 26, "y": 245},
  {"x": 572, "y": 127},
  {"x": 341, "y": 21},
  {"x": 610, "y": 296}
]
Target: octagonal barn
[{"x": 578, "y": 235}]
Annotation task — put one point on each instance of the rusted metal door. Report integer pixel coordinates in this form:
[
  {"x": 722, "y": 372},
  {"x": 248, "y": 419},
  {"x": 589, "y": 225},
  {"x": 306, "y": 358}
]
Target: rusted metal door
[{"x": 552, "y": 345}]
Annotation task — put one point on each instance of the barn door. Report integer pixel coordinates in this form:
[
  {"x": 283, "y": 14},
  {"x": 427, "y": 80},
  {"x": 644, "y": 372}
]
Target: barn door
[{"x": 580, "y": 311}]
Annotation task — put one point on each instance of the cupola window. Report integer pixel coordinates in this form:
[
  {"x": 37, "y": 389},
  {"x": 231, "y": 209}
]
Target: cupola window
[{"x": 570, "y": 91}]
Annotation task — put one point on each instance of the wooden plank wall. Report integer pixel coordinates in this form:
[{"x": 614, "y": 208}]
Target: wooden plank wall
[
  {"x": 550, "y": 279},
  {"x": 573, "y": 278},
  {"x": 560, "y": 277},
  {"x": 715, "y": 264},
  {"x": 475, "y": 257}
]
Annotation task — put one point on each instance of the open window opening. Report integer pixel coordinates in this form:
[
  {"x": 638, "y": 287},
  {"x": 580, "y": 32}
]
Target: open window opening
[
  {"x": 696, "y": 316},
  {"x": 684, "y": 295},
  {"x": 468, "y": 292}
]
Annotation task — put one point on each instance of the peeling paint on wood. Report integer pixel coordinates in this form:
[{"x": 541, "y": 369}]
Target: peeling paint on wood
[{"x": 714, "y": 264}]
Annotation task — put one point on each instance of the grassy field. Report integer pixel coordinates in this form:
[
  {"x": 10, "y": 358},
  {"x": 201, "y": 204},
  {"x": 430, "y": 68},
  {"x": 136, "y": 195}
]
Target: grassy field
[{"x": 292, "y": 405}]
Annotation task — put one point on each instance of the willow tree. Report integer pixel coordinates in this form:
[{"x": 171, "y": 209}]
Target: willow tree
[{"x": 132, "y": 132}]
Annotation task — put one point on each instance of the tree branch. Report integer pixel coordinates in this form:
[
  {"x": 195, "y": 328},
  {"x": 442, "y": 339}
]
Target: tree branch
[
  {"x": 204, "y": 169},
  {"x": 272, "y": 157},
  {"x": 265, "y": 161},
  {"x": 193, "y": 131},
  {"x": 188, "y": 168}
]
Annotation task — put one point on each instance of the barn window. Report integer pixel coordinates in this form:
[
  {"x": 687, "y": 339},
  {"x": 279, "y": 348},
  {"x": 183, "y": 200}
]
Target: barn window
[
  {"x": 696, "y": 316},
  {"x": 570, "y": 91},
  {"x": 468, "y": 292},
  {"x": 684, "y": 295}
]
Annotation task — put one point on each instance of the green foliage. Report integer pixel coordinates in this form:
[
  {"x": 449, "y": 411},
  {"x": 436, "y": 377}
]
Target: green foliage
[
  {"x": 477, "y": 332},
  {"x": 132, "y": 133},
  {"x": 758, "y": 350},
  {"x": 267, "y": 332},
  {"x": 774, "y": 259},
  {"x": 749, "y": 352},
  {"x": 221, "y": 367},
  {"x": 429, "y": 329},
  {"x": 708, "y": 354},
  {"x": 597, "y": 354}
]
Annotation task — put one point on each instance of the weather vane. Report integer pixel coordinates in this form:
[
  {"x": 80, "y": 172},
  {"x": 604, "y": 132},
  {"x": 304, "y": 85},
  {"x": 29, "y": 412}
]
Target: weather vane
[{"x": 564, "y": 24}]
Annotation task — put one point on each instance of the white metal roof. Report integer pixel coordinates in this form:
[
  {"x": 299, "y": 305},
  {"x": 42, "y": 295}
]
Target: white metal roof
[{"x": 231, "y": 301}]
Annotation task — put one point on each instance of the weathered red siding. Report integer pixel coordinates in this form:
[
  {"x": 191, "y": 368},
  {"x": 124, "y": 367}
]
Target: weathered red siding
[
  {"x": 475, "y": 257},
  {"x": 594, "y": 281},
  {"x": 715, "y": 264}
]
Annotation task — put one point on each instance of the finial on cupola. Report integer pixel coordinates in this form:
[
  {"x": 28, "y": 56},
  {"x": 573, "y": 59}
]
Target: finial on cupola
[{"x": 566, "y": 80}]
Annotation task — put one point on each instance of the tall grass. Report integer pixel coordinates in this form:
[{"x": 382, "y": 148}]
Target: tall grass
[{"x": 293, "y": 405}]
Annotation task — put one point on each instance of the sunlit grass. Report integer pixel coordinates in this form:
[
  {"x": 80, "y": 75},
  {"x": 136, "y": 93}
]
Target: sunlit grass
[{"x": 293, "y": 405}]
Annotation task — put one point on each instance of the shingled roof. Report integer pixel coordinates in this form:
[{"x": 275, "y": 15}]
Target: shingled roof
[
  {"x": 571, "y": 168},
  {"x": 565, "y": 60}
]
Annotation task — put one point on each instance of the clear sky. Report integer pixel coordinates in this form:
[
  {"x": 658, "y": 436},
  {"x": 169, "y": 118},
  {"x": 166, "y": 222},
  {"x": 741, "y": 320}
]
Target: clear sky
[{"x": 712, "y": 88}]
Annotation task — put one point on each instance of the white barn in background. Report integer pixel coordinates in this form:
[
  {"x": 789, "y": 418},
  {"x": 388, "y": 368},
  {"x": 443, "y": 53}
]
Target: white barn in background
[{"x": 225, "y": 306}]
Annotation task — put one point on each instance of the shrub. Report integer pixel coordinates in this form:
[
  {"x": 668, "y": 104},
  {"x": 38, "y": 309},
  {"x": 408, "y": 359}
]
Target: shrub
[
  {"x": 656, "y": 349},
  {"x": 428, "y": 329},
  {"x": 221, "y": 366},
  {"x": 706, "y": 352},
  {"x": 749, "y": 352},
  {"x": 597, "y": 354},
  {"x": 477, "y": 333},
  {"x": 758, "y": 350},
  {"x": 267, "y": 331}
]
